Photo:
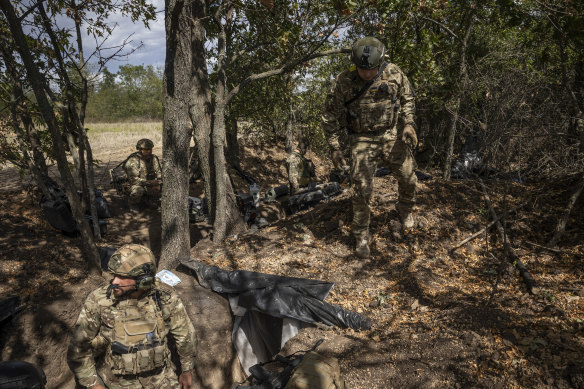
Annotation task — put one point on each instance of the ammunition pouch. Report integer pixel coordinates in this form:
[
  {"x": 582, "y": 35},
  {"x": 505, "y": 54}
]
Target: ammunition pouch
[{"x": 137, "y": 342}]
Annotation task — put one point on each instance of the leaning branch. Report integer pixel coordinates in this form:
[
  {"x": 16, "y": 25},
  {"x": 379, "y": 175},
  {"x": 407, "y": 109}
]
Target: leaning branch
[
  {"x": 561, "y": 227},
  {"x": 513, "y": 258},
  {"x": 284, "y": 69}
]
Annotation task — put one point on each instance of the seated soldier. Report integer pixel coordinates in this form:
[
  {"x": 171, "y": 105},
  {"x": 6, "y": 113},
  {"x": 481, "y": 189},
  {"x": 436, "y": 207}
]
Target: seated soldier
[
  {"x": 300, "y": 169},
  {"x": 144, "y": 175}
]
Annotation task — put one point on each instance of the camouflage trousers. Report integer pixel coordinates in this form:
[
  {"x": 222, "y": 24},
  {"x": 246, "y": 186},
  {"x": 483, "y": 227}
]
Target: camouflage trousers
[
  {"x": 367, "y": 152},
  {"x": 138, "y": 192},
  {"x": 165, "y": 379}
]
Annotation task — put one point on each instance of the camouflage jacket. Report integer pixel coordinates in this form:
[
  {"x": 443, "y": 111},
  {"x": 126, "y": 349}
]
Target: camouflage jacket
[
  {"x": 140, "y": 171},
  {"x": 377, "y": 110},
  {"x": 93, "y": 332},
  {"x": 300, "y": 171}
]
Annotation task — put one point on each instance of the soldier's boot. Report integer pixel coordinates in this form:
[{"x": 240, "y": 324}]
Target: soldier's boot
[
  {"x": 362, "y": 246},
  {"x": 405, "y": 214}
]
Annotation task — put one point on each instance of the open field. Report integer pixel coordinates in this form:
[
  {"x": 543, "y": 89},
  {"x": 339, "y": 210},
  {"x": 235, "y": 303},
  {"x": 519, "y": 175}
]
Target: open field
[{"x": 109, "y": 139}]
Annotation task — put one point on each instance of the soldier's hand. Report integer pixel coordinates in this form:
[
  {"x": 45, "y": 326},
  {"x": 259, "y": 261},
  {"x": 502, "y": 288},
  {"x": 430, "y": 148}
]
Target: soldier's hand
[
  {"x": 338, "y": 159},
  {"x": 185, "y": 380},
  {"x": 409, "y": 136},
  {"x": 98, "y": 386}
]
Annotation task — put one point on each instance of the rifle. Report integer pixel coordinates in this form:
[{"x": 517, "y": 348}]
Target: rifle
[
  {"x": 310, "y": 197},
  {"x": 244, "y": 175}
]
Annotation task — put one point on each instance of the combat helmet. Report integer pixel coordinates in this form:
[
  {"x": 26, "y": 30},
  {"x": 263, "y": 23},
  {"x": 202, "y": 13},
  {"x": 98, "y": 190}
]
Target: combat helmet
[
  {"x": 136, "y": 261},
  {"x": 144, "y": 143},
  {"x": 367, "y": 53}
]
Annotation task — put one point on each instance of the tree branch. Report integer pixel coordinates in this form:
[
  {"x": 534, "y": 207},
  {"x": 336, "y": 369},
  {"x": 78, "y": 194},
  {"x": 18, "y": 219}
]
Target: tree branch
[{"x": 284, "y": 69}]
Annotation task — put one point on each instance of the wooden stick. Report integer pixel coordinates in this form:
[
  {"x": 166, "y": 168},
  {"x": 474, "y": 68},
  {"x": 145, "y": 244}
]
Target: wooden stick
[
  {"x": 513, "y": 258},
  {"x": 462, "y": 242},
  {"x": 554, "y": 250},
  {"x": 561, "y": 227}
]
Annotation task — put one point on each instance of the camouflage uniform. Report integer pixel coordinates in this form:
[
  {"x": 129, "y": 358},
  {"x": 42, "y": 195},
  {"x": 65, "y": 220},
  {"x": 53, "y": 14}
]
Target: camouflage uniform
[
  {"x": 375, "y": 122},
  {"x": 300, "y": 171},
  {"x": 100, "y": 322},
  {"x": 139, "y": 173}
]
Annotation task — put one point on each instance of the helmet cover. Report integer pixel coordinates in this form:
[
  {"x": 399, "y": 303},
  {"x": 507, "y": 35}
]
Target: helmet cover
[
  {"x": 144, "y": 143},
  {"x": 132, "y": 260},
  {"x": 367, "y": 53}
]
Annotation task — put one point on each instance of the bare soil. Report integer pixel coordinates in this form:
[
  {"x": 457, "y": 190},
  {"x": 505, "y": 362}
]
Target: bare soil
[{"x": 441, "y": 318}]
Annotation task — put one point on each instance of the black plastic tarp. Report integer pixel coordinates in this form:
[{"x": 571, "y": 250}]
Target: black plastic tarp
[
  {"x": 270, "y": 309},
  {"x": 296, "y": 298}
]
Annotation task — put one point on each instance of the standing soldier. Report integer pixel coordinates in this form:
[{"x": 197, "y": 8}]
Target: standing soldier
[
  {"x": 300, "y": 169},
  {"x": 144, "y": 174},
  {"x": 374, "y": 101},
  {"x": 120, "y": 339}
]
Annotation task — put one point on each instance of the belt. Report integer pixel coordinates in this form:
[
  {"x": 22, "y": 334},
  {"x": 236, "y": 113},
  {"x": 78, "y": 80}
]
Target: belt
[
  {"x": 371, "y": 133},
  {"x": 150, "y": 373}
]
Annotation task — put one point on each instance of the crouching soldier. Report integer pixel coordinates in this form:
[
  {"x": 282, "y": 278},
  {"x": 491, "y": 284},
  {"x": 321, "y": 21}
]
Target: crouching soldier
[
  {"x": 144, "y": 175},
  {"x": 120, "y": 339},
  {"x": 300, "y": 169}
]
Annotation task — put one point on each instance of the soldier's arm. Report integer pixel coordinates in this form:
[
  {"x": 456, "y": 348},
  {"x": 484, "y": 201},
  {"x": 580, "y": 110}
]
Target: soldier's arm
[
  {"x": 407, "y": 101},
  {"x": 157, "y": 168},
  {"x": 79, "y": 353},
  {"x": 182, "y": 330},
  {"x": 133, "y": 172},
  {"x": 333, "y": 116}
]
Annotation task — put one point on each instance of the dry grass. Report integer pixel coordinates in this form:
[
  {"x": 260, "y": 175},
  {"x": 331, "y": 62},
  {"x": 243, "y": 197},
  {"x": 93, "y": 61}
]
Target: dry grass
[{"x": 110, "y": 139}]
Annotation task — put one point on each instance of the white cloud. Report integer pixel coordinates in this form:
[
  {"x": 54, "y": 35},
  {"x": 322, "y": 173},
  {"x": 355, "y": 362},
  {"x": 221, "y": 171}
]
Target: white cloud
[{"x": 150, "y": 42}]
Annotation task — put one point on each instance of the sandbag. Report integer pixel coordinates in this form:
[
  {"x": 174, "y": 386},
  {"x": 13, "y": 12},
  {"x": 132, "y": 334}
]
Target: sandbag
[{"x": 316, "y": 371}]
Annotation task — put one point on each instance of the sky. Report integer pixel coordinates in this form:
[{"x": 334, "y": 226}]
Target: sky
[{"x": 152, "y": 51}]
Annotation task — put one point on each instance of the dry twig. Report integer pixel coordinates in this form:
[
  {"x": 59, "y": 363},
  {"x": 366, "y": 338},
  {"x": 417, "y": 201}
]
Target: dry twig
[
  {"x": 527, "y": 277},
  {"x": 561, "y": 227},
  {"x": 491, "y": 223}
]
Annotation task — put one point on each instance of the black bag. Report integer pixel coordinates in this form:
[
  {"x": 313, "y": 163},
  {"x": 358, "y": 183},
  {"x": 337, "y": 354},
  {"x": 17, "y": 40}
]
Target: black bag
[
  {"x": 58, "y": 214},
  {"x": 101, "y": 205}
]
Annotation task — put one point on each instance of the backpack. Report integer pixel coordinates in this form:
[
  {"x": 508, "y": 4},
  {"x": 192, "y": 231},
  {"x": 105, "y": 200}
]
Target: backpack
[
  {"x": 316, "y": 371},
  {"x": 308, "y": 371}
]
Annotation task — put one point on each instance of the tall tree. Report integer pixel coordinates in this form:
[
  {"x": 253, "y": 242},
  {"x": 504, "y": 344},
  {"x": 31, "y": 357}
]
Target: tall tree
[{"x": 178, "y": 93}]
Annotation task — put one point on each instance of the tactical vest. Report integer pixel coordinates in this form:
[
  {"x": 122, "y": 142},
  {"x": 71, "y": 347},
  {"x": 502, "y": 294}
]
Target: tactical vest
[
  {"x": 148, "y": 169},
  {"x": 138, "y": 338},
  {"x": 377, "y": 109}
]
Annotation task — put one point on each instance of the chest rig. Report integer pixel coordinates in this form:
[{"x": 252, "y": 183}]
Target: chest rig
[
  {"x": 138, "y": 337},
  {"x": 375, "y": 109}
]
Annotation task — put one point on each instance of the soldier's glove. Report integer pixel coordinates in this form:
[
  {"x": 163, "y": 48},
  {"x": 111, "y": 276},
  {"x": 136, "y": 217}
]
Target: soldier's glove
[
  {"x": 338, "y": 159},
  {"x": 409, "y": 136}
]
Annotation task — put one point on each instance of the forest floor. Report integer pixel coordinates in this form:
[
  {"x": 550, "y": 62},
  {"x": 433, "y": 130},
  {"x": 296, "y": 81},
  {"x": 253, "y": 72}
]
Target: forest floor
[{"x": 441, "y": 318}]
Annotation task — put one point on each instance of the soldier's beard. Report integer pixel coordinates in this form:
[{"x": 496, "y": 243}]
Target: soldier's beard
[{"x": 122, "y": 290}]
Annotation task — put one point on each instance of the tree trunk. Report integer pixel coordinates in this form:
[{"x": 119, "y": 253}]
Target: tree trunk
[
  {"x": 83, "y": 134},
  {"x": 19, "y": 112},
  {"x": 462, "y": 76},
  {"x": 218, "y": 137},
  {"x": 39, "y": 86},
  {"x": 176, "y": 134},
  {"x": 232, "y": 145},
  {"x": 201, "y": 107}
]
